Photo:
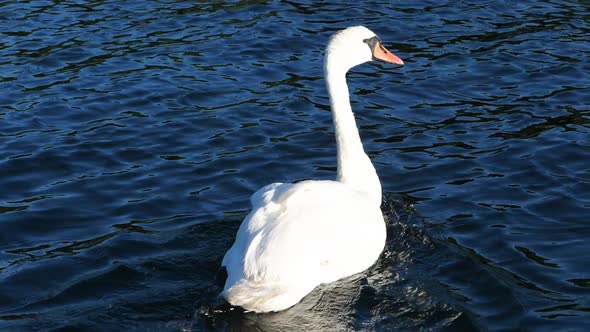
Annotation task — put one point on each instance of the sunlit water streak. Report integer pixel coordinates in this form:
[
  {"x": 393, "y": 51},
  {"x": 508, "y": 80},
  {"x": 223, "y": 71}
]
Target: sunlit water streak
[{"x": 134, "y": 132}]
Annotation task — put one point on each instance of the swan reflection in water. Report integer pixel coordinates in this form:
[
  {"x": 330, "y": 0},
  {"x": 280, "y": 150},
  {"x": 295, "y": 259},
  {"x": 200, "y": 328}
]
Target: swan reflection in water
[{"x": 328, "y": 308}]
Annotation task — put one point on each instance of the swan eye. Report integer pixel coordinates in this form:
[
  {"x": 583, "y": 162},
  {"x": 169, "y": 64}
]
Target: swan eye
[{"x": 372, "y": 42}]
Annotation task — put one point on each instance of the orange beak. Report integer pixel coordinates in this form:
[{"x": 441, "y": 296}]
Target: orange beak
[{"x": 382, "y": 54}]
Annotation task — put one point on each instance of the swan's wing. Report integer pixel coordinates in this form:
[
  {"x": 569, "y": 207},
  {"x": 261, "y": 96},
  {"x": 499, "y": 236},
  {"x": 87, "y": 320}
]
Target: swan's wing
[
  {"x": 318, "y": 228},
  {"x": 307, "y": 226},
  {"x": 264, "y": 210}
]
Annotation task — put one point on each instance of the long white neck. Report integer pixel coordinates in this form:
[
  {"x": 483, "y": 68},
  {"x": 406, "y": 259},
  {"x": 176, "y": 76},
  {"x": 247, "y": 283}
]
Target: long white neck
[{"x": 354, "y": 166}]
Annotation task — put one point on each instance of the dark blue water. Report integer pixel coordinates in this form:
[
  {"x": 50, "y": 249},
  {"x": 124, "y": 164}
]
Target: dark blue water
[{"x": 133, "y": 132}]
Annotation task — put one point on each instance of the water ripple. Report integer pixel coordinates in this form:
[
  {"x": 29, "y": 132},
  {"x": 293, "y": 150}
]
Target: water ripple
[{"x": 133, "y": 134}]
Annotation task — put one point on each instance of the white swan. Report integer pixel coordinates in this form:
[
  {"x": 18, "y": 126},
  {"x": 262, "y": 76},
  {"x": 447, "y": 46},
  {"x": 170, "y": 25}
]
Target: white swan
[{"x": 300, "y": 235}]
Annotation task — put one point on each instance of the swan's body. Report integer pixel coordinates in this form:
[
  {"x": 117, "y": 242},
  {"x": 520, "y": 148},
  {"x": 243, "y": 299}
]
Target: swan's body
[{"x": 298, "y": 236}]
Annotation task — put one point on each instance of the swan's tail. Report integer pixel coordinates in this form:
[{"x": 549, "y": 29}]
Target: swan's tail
[{"x": 260, "y": 296}]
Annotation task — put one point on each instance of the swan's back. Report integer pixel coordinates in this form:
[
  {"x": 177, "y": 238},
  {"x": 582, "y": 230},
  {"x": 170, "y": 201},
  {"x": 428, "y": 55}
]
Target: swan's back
[{"x": 298, "y": 236}]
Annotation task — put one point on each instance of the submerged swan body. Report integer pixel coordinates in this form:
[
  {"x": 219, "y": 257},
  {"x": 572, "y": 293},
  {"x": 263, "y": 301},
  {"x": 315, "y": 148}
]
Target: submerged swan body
[{"x": 301, "y": 235}]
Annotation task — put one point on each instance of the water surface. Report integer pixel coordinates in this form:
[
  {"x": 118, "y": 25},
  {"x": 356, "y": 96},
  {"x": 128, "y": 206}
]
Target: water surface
[{"x": 133, "y": 133}]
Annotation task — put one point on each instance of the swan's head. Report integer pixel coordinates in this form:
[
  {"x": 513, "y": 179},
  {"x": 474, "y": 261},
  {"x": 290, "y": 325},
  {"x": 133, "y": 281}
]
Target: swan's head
[{"x": 355, "y": 45}]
